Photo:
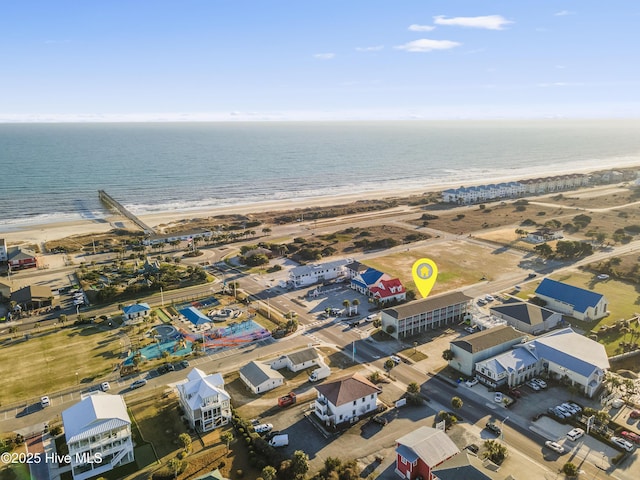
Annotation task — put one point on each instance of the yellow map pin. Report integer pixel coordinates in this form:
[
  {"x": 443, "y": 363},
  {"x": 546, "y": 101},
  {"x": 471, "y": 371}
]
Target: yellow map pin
[{"x": 425, "y": 273}]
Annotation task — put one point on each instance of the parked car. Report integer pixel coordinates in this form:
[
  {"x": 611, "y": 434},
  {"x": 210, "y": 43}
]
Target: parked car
[
  {"x": 571, "y": 408},
  {"x": 575, "y": 434},
  {"x": 559, "y": 413},
  {"x": 617, "y": 403},
  {"x": 138, "y": 384},
  {"x": 380, "y": 420},
  {"x": 630, "y": 436},
  {"x": 498, "y": 397},
  {"x": 184, "y": 363},
  {"x": 104, "y": 386},
  {"x": 603, "y": 276},
  {"x": 482, "y": 301},
  {"x": 473, "y": 448},
  {"x": 263, "y": 428},
  {"x": 515, "y": 393},
  {"x": 397, "y": 360},
  {"x": 634, "y": 414},
  {"x": 532, "y": 275},
  {"x": 533, "y": 386},
  {"x": 555, "y": 446},
  {"x": 469, "y": 329},
  {"x": 622, "y": 443},
  {"x": 471, "y": 382},
  {"x": 541, "y": 383},
  {"x": 576, "y": 406},
  {"x": 567, "y": 413},
  {"x": 45, "y": 402},
  {"x": 492, "y": 427},
  {"x": 489, "y": 298}
]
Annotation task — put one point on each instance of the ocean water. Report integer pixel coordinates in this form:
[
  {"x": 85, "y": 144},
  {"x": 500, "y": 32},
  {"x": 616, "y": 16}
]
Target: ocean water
[{"x": 52, "y": 172}]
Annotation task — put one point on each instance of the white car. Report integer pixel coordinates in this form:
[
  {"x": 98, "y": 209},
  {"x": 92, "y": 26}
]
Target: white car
[
  {"x": 622, "y": 443},
  {"x": 104, "y": 386},
  {"x": 533, "y": 386},
  {"x": 541, "y": 383},
  {"x": 603, "y": 276},
  {"x": 617, "y": 403},
  {"x": 397, "y": 360},
  {"x": 575, "y": 434},
  {"x": 263, "y": 428},
  {"x": 471, "y": 382},
  {"x": 45, "y": 402},
  {"x": 555, "y": 446},
  {"x": 498, "y": 397},
  {"x": 489, "y": 298},
  {"x": 482, "y": 301},
  {"x": 571, "y": 408}
]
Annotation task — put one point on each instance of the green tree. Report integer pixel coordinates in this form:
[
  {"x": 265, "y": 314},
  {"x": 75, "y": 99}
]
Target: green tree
[
  {"x": 185, "y": 441},
  {"x": 227, "y": 438},
  {"x": 544, "y": 250},
  {"x": 456, "y": 403},
  {"x": 448, "y": 355},
  {"x": 389, "y": 364},
  {"x": 570, "y": 469},
  {"x": 299, "y": 465},
  {"x": 413, "y": 393},
  {"x": 269, "y": 473},
  {"x": 374, "y": 377},
  {"x": 495, "y": 451}
]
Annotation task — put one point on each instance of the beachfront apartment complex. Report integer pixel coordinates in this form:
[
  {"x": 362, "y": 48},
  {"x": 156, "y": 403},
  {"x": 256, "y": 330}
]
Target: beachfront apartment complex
[{"x": 521, "y": 188}]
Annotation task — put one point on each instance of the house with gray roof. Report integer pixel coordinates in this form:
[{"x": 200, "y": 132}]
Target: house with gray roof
[
  {"x": 576, "y": 302},
  {"x": 421, "y": 451},
  {"x": 98, "y": 434},
  {"x": 204, "y": 400},
  {"x": 260, "y": 377},
  {"x": 299, "y": 360},
  {"x": 33, "y": 296},
  {"x": 470, "y": 349},
  {"x": 526, "y": 316},
  {"x": 561, "y": 354},
  {"x": 426, "y": 314}
]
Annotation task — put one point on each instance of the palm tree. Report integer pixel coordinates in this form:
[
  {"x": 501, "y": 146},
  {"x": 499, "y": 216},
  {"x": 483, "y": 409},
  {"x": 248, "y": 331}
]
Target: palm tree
[
  {"x": 347, "y": 304},
  {"x": 227, "y": 437},
  {"x": 355, "y": 303}
]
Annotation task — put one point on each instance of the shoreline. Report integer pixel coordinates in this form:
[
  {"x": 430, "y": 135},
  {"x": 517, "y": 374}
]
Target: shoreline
[{"x": 44, "y": 232}]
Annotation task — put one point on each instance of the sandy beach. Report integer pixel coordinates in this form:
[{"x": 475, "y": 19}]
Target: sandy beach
[{"x": 37, "y": 234}]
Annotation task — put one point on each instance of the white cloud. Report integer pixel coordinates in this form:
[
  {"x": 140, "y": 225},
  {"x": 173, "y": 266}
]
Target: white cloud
[
  {"x": 377, "y": 48},
  {"x": 563, "y": 13},
  {"x": 490, "y": 22},
  {"x": 421, "y": 28},
  {"x": 324, "y": 56},
  {"x": 428, "y": 45}
]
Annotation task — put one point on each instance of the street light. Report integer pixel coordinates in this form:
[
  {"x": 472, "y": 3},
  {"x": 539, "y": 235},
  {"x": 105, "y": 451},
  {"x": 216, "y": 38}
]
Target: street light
[
  {"x": 502, "y": 427},
  {"x": 77, "y": 378},
  {"x": 268, "y": 301}
]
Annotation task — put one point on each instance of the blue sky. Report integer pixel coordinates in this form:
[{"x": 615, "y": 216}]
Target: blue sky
[{"x": 318, "y": 59}]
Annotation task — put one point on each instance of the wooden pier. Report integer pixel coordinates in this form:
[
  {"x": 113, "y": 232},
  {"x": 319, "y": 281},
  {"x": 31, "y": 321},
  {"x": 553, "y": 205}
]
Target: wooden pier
[{"x": 113, "y": 204}]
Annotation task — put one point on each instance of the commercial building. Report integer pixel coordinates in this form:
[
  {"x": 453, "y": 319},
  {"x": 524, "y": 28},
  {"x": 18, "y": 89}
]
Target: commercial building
[
  {"x": 526, "y": 316},
  {"x": 576, "y": 302},
  {"x": 427, "y": 314}
]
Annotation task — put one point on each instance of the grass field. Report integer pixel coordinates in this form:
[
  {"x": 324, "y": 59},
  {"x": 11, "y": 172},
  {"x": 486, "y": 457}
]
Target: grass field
[
  {"x": 458, "y": 265},
  {"x": 53, "y": 361}
]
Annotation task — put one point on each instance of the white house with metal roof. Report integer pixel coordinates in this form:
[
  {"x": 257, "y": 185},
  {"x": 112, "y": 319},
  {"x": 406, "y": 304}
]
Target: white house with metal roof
[
  {"x": 562, "y": 354},
  {"x": 574, "y": 301},
  {"x": 298, "y": 360},
  {"x": 260, "y": 377},
  {"x": 204, "y": 400},
  {"x": 305, "y": 275},
  {"x": 98, "y": 434}
]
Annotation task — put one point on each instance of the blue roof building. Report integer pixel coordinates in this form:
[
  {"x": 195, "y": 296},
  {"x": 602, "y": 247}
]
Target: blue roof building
[
  {"x": 573, "y": 301},
  {"x": 135, "y": 313},
  {"x": 195, "y": 316},
  {"x": 562, "y": 354}
]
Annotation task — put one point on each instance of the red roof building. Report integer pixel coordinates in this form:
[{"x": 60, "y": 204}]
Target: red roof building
[
  {"x": 386, "y": 290},
  {"x": 422, "y": 450}
]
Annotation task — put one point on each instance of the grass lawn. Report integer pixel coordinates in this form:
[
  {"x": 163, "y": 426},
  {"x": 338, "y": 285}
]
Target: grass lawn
[
  {"x": 459, "y": 265},
  {"x": 413, "y": 354},
  {"x": 48, "y": 362}
]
